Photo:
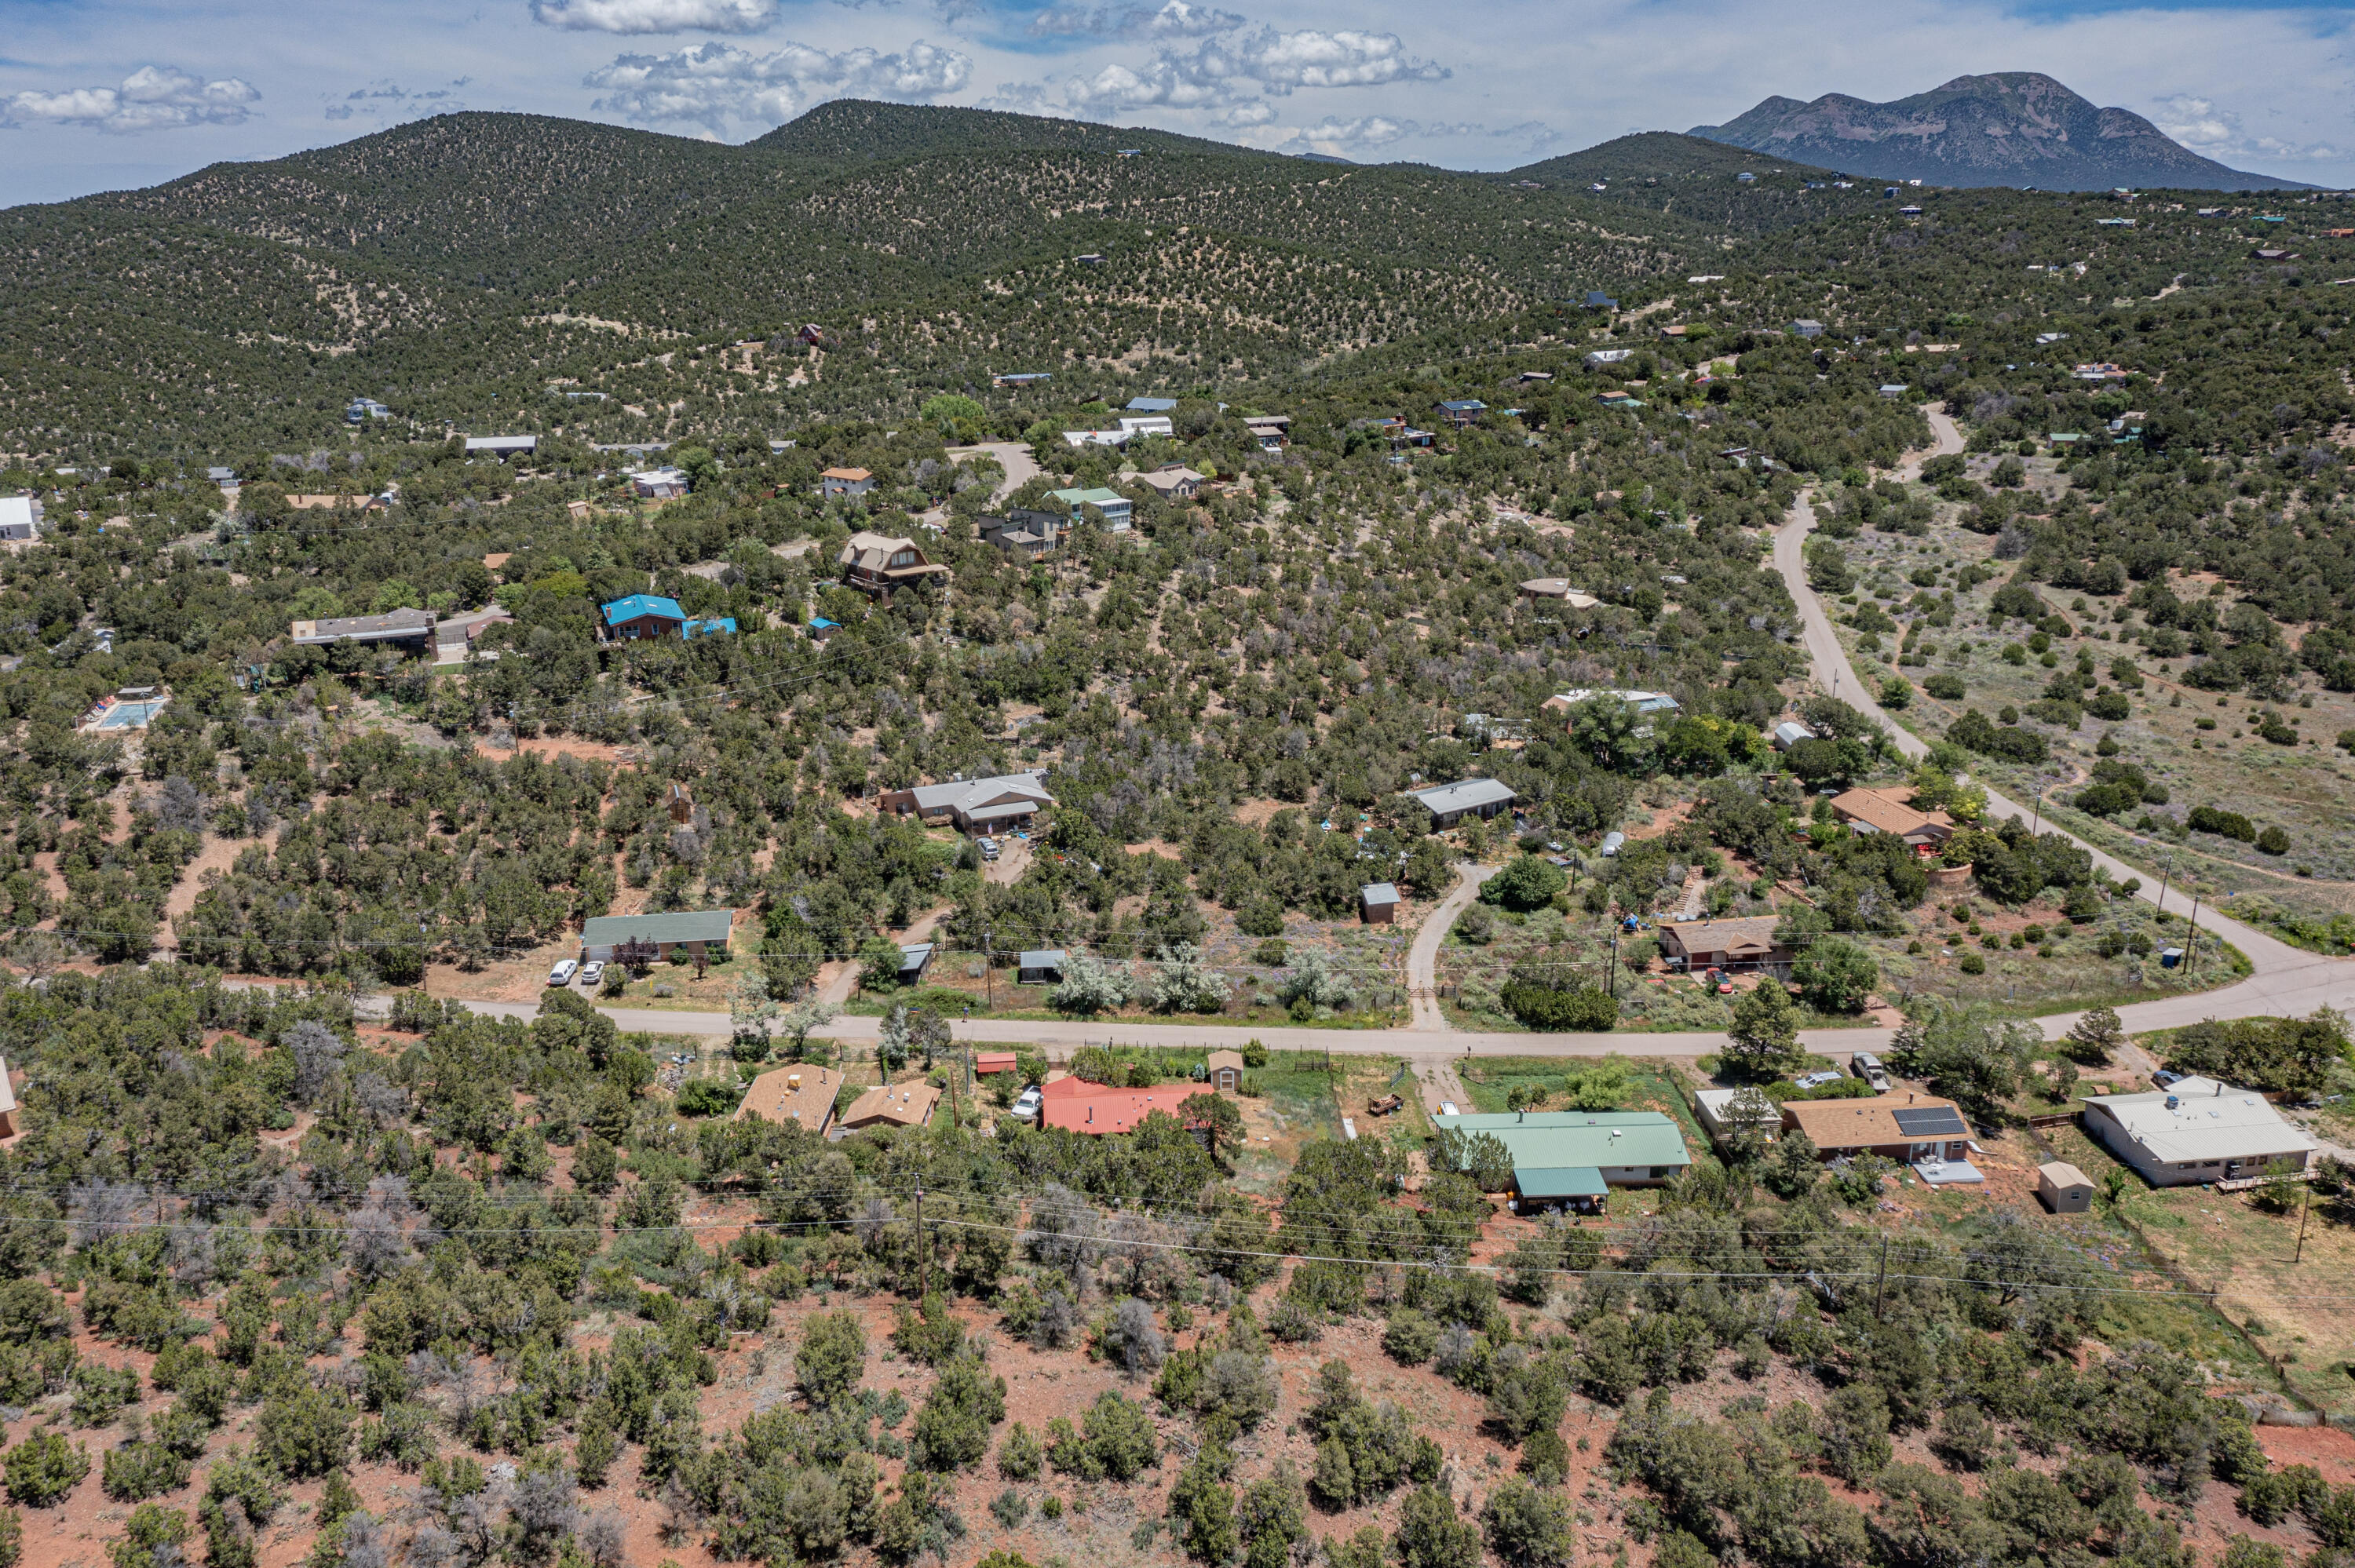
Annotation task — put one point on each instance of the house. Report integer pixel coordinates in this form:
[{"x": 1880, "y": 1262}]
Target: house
[
  {"x": 1746, "y": 178},
  {"x": 321, "y": 502},
  {"x": 1100, "y": 1110},
  {"x": 1879, "y": 811},
  {"x": 974, "y": 805},
  {"x": 990, "y": 1064},
  {"x": 1272, "y": 431},
  {"x": 915, "y": 963},
  {"x": 1919, "y": 1129},
  {"x": 792, "y": 1096},
  {"x": 1020, "y": 379},
  {"x": 2196, "y": 1130},
  {"x": 1597, "y": 299},
  {"x": 2100, "y": 370},
  {"x": 1226, "y": 1070},
  {"x": 1092, "y": 259},
  {"x": 820, "y": 630},
  {"x": 1892, "y": 391},
  {"x": 698, "y": 931},
  {"x": 2064, "y": 1189},
  {"x": 1713, "y": 1108},
  {"x": 1451, "y": 803},
  {"x": 1462, "y": 411},
  {"x": 1572, "y": 1159},
  {"x": 1789, "y": 733},
  {"x": 1114, "y": 506},
  {"x": 1529, "y": 375},
  {"x": 459, "y": 632},
  {"x": 880, "y": 563},
  {"x": 1912, "y": 211},
  {"x": 1806, "y": 327},
  {"x": 1174, "y": 482},
  {"x": 225, "y": 477},
  {"x": 1023, "y": 532},
  {"x": 643, "y": 615},
  {"x": 1080, "y": 439},
  {"x": 1152, "y": 405},
  {"x": 1746, "y": 943},
  {"x": 502, "y": 446},
  {"x": 1645, "y": 704},
  {"x": 398, "y": 625},
  {"x": 16, "y": 518},
  {"x": 890, "y": 1105},
  {"x": 1042, "y": 966},
  {"x": 1378, "y": 904},
  {"x": 660, "y": 484},
  {"x": 1617, "y": 399},
  {"x": 1597, "y": 358},
  {"x": 1558, "y": 588},
  {"x": 359, "y": 410},
  {"x": 1136, "y": 425},
  {"x": 844, "y": 482}
]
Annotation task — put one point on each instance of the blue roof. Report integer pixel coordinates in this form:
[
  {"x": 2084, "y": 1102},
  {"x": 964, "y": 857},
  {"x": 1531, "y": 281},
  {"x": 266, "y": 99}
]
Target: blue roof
[
  {"x": 1151, "y": 405},
  {"x": 711, "y": 628},
  {"x": 820, "y": 623},
  {"x": 639, "y": 604}
]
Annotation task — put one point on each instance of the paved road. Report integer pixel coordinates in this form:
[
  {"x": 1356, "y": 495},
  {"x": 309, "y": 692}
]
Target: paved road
[
  {"x": 1422, "y": 959},
  {"x": 2286, "y": 980}
]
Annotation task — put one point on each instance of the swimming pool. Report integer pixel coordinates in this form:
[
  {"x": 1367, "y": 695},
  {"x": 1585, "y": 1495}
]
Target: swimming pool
[{"x": 129, "y": 715}]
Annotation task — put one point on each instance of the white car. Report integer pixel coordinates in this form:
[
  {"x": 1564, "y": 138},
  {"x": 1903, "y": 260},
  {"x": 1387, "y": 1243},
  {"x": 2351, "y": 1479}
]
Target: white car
[
  {"x": 1867, "y": 1066},
  {"x": 563, "y": 972},
  {"x": 1447, "y": 1107},
  {"x": 1816, "y": 1080},
  {"x": 989, "y": 849},
  {"x": 1027, "y": 1105},
  {"x": 592, "y": 974}
]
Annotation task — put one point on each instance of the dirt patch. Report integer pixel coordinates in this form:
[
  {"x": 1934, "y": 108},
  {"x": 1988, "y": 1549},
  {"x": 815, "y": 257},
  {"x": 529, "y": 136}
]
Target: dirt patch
[
  {"x": 1255, "y": 813},
  {"x": 551, "y": 745},
  {"x": 212, "y": 863}
]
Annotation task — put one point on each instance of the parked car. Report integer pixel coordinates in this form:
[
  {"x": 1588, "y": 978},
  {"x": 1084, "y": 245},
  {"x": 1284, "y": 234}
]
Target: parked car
[
  {"x": 989, "y": 849},
  {"x": 563, "y": 972},
  {"x": 1447, "y": 1107},
  {"x": 592, "y": 974},
  {"x": 1816, "y": 1080},
  {"x": 1867, "y": 1066},
  {"x": 2165, "y": 1080},
  {"x": 1026, "y": 1105}
]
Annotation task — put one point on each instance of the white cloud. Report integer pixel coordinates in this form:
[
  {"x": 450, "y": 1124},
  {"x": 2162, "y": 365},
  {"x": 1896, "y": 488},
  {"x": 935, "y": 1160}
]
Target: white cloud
[
  {"x": 1280, "y": 62},
  {"x": 713, "y": 84},
  {"x": 2215, "y": 133},
  {"x": 1258, "y": 111},
  {"x": 1175, "y": 19},
  {"x": 655, "y": 16},
  {"x": 153, "y": 98}
]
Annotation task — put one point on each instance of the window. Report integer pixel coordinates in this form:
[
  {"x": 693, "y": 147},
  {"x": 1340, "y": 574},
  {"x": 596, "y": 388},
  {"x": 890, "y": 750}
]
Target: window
[{"x": 905, "y": 557}]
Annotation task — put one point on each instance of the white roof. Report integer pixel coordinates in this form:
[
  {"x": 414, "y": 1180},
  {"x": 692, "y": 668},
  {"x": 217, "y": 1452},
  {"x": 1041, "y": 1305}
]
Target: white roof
[
  {"x": 16, "y": 512},
  {"x": 1463, "y": 795},
  {"x": 1643, "y": 702},
  {"x": 2200, "y": 1119},
  {"x": 972, "y": 794}
]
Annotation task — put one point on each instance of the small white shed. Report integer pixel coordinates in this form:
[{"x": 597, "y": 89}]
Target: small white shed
[{"x": 2063, "y": 1188}]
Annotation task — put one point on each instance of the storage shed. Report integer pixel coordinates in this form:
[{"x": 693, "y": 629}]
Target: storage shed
[
  {"x": 1378, "y": 904},
  {"x": 2063, "y": 1188}
]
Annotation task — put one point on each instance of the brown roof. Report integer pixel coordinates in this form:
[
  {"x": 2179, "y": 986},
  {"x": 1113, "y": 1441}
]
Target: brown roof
[
  {"x": 893, "y": 1105},
  {"x": 1863, "y": 1123},
  {"x": 803, "y": 1097},
  {"x": 1225, "y": 1059},
  {"x": 1749, "y": 933},
  {"x": 1883, "y": 811},
  {"x": 852, "y": 474}
]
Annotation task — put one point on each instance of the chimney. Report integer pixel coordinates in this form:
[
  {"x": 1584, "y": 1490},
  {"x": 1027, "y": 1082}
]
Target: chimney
[{"x": 794, "y": 1082}]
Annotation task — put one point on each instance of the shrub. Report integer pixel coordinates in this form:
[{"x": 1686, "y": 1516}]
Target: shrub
[
  {"x": 1946, "y": 688},
  {"x": 707, "y": 1097},
  {"x": 139, "y": 1470},
  {"x": 1530, "y": 882},
  {"x": 1970, "y": 963},
  {"x": 2272, "y": 840},
  {"x": 1586, "y": 1009},
  {"x": 152, "y": 1535},
  {"x": 1526, "y": 1527},
  {"x": 1431, "y": 1535},
  {"x": 306, "y": 1432},
  {"x": 832, "y": 1357},
  {"x": 1410, "y": 1337},
  {"x": 1835, "y": 975},
  {"x": 953, "y": 1428},
  {"x": 2223, "y": 823},
  {"x": 1019, "y": 1456},
  {"x": 44, "y": 1469}
]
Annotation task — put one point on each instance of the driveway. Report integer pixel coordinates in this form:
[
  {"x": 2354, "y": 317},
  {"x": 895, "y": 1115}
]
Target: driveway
[
  {"x": 1422, "y": 959},
  {"x": 1014, "y": 457}
]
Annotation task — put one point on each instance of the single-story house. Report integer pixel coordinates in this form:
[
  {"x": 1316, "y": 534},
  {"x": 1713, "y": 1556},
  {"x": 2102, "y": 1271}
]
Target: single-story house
[
  {"x": 1570, "y": 1158},
  {"x": 1745, "y": 943},
  {"x": 1712, "y": 1109},
  {"x": 1098, "y": 1109},
  {"x": 1597, "y": 358},
  {"x": 1272, "y": 431},
  {"x": 396, "y": 626},
  {"x": 1789, "y": 733},
  {"x": 891, "y": 1105},
  {"x": 820, "y": 630},
  {"x": 16, "y": 518},
  {"x": 502, "y": 446},
  {"x": 643, "y": 615},
  {"x": 1226, "y": 1070},
  {"x": 990, "y": 1064},
  {"x": 915, "y": 963},
  {"x": 1136, "y": 425},
  {"x": 696, "y": 930},
  {"x": 1040, "y": 966},
  {"x": 1597, "y": 299},
  {"x": 1918, "y": 1129},
  {"x": 328, "y": 502},
  {"x": 1892, "y": 391},
  {"x": 1804, "y": 327},
  {"x": 2064, "y": 1189},
  {"x": 1115, "y": 507},
  {"x": 799, "y": 1097},
  {"x": 1879, "y": 811},
  {"x": 660, "y": 484},
  {"x": 880, "y": 563},
  {"x": 1079, "y": 441},
  {"x": 1530, "y": 375},
  {"x": 1645, "y": 704},
  {"x": 1378, "y": 904},
  {"x": 844, "y": 482},
  {"x": 1451, "y": 803},
  {"x": 1152, "y": 405},
  {"x": 974, "y": 805},
  {"x": 1176, "y": 482},
  {"x": 2196, "y": 1130},
  {"x": 1462, "y": 411},
  {"x": 1019, "y": 377},
  {"x": 1558, "y": 589},
  {"x": 361, "y": 409}
]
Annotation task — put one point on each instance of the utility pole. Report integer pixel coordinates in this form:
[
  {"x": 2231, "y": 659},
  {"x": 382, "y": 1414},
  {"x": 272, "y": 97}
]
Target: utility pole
[
  {"x": 1612, "y": 975},
  {"x": 2164, "y": 873},
  {"x": 923, "y": 1258},
  {"x": 2303, "y": 1210},
  {"x": 1879, "y": 1278},
  {"x": 2191, "y": 941}
]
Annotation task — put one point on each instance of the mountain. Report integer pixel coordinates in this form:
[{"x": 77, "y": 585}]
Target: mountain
[{"x": 2013, "y": 127}]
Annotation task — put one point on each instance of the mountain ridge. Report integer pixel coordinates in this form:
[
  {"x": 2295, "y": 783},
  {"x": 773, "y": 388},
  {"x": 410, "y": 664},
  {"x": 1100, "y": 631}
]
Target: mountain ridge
[{"x": 2006, "y": 128}]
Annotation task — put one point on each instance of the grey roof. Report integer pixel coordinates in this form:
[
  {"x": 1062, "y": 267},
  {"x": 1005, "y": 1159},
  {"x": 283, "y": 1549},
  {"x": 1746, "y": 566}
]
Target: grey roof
[
  {"x": 391, "y": 628},
  {"x": 684, "y": 926},
  {"x": 1556, "y": 1140},
  {"x": 1378, "y": 892},
  {"x": 1044, "y": 959},
  {"x": 972, "y": 796},
  {"x": 1151, "y": 405},
  {"x": 2200, "y": 1118},
  {"x": 915, "y": 956},
  {"x": 502, "y": 443},
  {"x": 1465, "y": 795}
]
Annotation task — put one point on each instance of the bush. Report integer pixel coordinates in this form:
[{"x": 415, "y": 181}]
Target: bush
[
  {"x": 1585, "y": 1007},
  {"x": 2272, "y": 840},
  {"x": 1431, "y": 1535},
  {"x": 1970, "y": 963},
  {"x": 1528, "y": 1527},
  {"x": 1410, "y": 1337},
  {"x": 832, "y": 1358},
  {"x": 1019, "y": 1456},
  {"x": 1946, "y": 688},
  {"x": 1835, "y": 975},
  {"x": 139, "y": 1470},
  {"x": 44, "y": 1469},
  {"x": 2223, "y": 823},
  {"x": 953, "y": 1428},
  {"x": 707, "y": 1097},
  {"x": 306, "y": 1432},
  {"x": 1529, "y": 882}
]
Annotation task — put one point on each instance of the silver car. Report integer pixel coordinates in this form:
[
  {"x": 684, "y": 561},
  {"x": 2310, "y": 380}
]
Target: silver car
[
  {"x": 1867, "y": 1066},
  {"x": 563, "y": 972},
  {"x": 592, "y": 974}
]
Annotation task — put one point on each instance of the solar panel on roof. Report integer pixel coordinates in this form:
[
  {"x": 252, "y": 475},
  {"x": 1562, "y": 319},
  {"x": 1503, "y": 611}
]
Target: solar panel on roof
[{"x": 1937, "y": 1121}]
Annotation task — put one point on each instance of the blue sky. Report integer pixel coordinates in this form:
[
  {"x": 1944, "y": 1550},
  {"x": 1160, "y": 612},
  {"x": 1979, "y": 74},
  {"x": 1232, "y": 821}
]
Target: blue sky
[{"x": 103, "y": 94}]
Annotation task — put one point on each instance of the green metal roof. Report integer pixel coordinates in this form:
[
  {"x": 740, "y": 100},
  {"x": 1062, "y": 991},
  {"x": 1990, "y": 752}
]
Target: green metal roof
[
  {"x": 1558, "y": 1181},
  {"x": 1556, "y": 1140},
  {"x": 684, "y": 926}
]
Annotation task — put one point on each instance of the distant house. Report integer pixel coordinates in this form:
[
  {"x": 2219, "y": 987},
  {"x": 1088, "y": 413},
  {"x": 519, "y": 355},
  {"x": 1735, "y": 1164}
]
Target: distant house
[
  {"x": 698, "y": 931},
  {"x": 1176, "y": 482},
  {"x": 890, "y": 1105},
  {"x": 359, "y": 410},
  {"x": 881, "y": 564},
  {"x": 974, "y": 805},
  {"x": 2043, "y": 338},
  {"x": 16, "y": 518},
  {"x": 1226, "y": 1070},
  {"x": 1451, "y": 803},
  {"x": 1152, "y": 405},
  {"x": 1913, "y": 1130},
  {"x": 792, "y": 1096},
  {"x": 1023, "y": 531},
  {"x": 1746, "y": 178},
  {"x": 1378, "y": 904},
  {"x": 660, "y": 484},
  {"x": 1136, "y": 425},
  {"x": 1462, "y": 411},
  {"x": 1558, "y": 590},
  {"x": 1272, "y": 431},
  {"x": 643, "y": 615},
  {"x": 1713, "y": 1108},
  {"x": 2196, "y": 1130},
  {"x": 1530, "y": 375},
  {"x": 1019, "y": 377},
  {"x": 1092, "y": 259},
  {"x": 844, "y": 482},
  {"x": 1597, "y": 358},
  {"x": 1806, "y": 327},
  {"x": 811, "y": 332},
  {"x": 459, "y": 632},
  {"x": 1878, "y": 811},
  {"x": 1912, "y": 211},
  {"x": 2101, "y": 371},
  {"x": 502, "y": 446},
  {"x": 1115, "y": 507},
  {"x": 1747, "y": 943},
  {"x": 1789, "y": 733},
  {"x": 1894, "y": 389},
  {"x": 1041, "y": 966},
  {"x": 1080, "y": 439},
  {"x": 1643, "y": 703},
  {"x": 398, "y": 626},
  {"x": 223, "y": 476}
]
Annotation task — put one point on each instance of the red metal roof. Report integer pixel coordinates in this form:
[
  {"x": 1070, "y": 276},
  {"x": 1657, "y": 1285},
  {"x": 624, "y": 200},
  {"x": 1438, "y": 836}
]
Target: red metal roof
[{"x": 1097, "y": 1110}]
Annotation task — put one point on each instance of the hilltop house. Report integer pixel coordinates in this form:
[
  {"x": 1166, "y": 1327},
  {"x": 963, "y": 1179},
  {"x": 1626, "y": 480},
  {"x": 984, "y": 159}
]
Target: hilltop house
[
  {"x": 879, "y": 563},
  {"x": 1597, "y": 358},
  {"x": 359, "y": 410},
  {"x": 1645, "y": 704}
]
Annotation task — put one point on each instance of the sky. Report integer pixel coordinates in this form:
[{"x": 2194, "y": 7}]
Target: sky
[{"x": 110, "y": 94}]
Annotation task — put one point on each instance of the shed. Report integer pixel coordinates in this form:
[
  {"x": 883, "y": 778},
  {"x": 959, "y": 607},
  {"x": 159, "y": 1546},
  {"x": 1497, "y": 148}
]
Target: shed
[
  {"x": 915, "y": 963},
  {"x": 2063, "y": 1188},
  {"x": 1041, "y": 966},
  {"x": 1226, "y": 1069},
  {"x": 696, "y": 930},
  {"x": 16, "y": 518},
  {"x": 1378, "y": 904},
  {"x": 987, "y": 1063},
  {"x": 1789, "y": 733}
]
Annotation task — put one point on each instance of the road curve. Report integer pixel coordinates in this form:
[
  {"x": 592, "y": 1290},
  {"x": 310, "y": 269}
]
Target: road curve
[
  {"x": 1422, "y": 959},
  {"x": 2284, "y": 981}
]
